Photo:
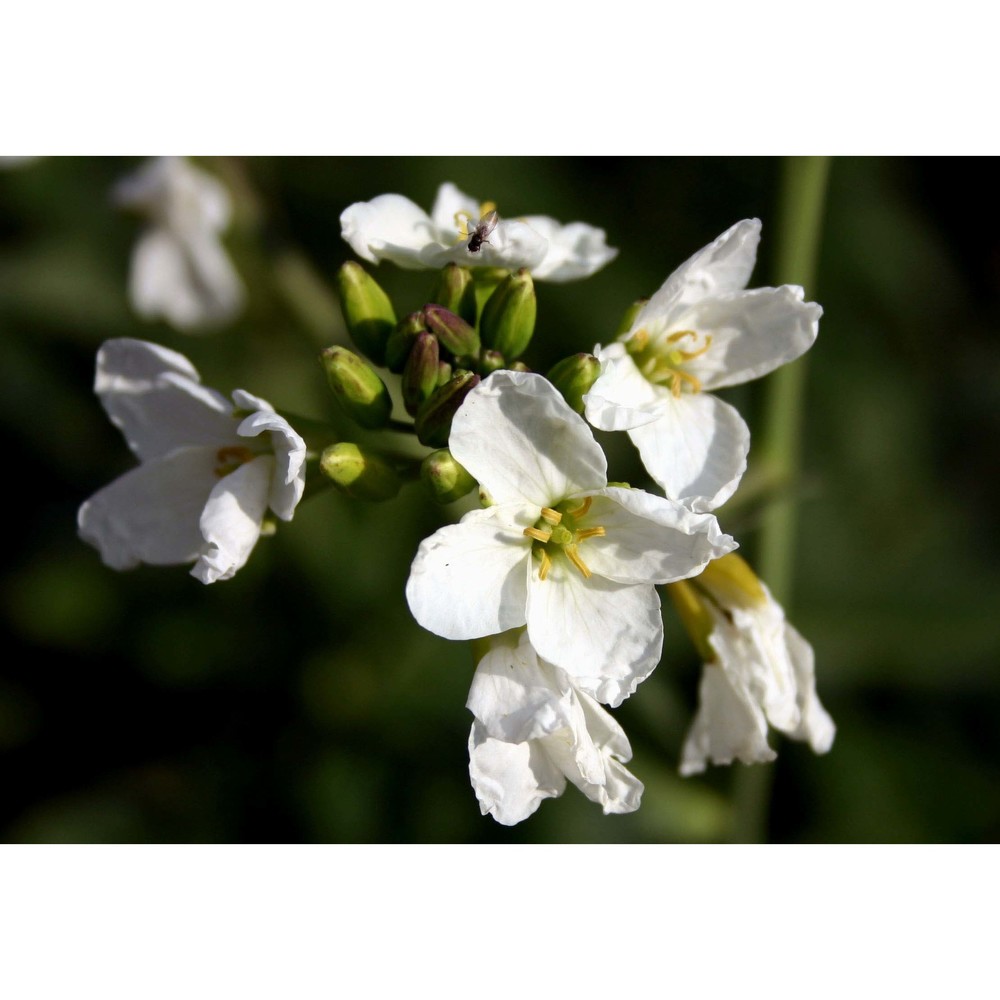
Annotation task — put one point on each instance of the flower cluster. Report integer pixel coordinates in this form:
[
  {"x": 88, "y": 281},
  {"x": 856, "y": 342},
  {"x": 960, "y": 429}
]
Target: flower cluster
[{"x": 554, "y": 575}]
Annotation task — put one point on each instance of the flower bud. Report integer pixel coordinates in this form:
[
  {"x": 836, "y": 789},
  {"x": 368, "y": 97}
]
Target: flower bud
[
  {"x": 574, "y": 376},
  {"x": 444, "y": 372},
  {"x": 368, "y": 312},
  {"x": 444, "y": 477},
  {"x": 397, "y": 348},
  {"x": 489, "y": 362},
  {"x": 731, "y": 583},
  {"x": 362, "y": 395},
  {"x": 694, "y": 615},
  {"x": 629, "y": 318},
  {"x": 519, "y": 366},
  {"x": 453, "y": 332},
  {"x": 420, "y": 375},
  {"x": 433, "y": 422},
  {"x": 508, "y": 319},
  {"x": 456, "y": 291},
  {"x": 360, "y": 474}
]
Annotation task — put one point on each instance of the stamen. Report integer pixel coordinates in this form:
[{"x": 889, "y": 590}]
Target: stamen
[
  {"x": 543, "y": 571},
  {"x": 486, "y": 207},
  {"x": 598, "y": 532},
  {"x": 550, "y": 515},
  {"x": 688, "y": 355},
  {"x": 574, "y": 558},
  {"x": 230, "y": 458},
  {"x": 582, "y": 509},
  {"x": 638, "y": 342},
  {"x": 680, "y": 335},
  {"x": 539, "y": 534}
]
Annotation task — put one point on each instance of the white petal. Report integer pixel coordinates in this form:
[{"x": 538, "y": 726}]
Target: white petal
[
  {"x": 517, "y": 436},
  {"x": 151, "y": 514},
  {"x": 215, "y": 285},
  {"x": 289, "y": 480},
  {"x": 154, "y": 397},
  {"x": 449, "y": 204},
  {"x": 230, "y": 523},
  {"x": 816, "y": 726},
  {"x": 729, "y": 726},
  {"x": 696, "y": 451},
  {"x": 511, "y": 245},
  {"x": 575, "y": 250},
  {"x": 723, "y": 266},
  {"x": 752, "y": 333},
  {"x": 648, "y": 539},
  {"x": 510, "y": 779},
  {"x": 606, "y": 636},
  {"x": 621, "y": 396},
  {"x": 389, "y": 227},
  {"x": 468, "y": 580}
]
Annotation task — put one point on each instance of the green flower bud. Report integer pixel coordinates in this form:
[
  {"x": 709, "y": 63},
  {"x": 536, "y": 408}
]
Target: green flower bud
[
  {"x": 490, "y": 361},
  {"x": 400, "y": 342},
  {"x": 573, "y": 377},
  {"x": 362, "y": 395},
  {"x": 444, "y": 477},
  {"x": 519, "y": 366},
  {"x": 360, "y": 474},
  {"x": 508, "y": 319},
  {"x": 433, "y": 422},
  {"x": 456, "y": 291},
  {"x": 629, "y": 318},
  {"x": 444, "y": 372},
  {"x": 420, "y": 376},
  {"x": 453, "y": 332},
  {"x": 368, "y": 312}
]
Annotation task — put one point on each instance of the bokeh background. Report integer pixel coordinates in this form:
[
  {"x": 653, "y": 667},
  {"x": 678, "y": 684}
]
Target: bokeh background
[{"x": 300, "y": 702}]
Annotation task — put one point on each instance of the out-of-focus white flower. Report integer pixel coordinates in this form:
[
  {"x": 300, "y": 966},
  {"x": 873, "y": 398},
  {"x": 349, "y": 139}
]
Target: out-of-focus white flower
[
  {"x": 209, "y": 471},
  {"x": 533, "y": 729},
  {"x": 180, "y": 270},
  {"x": 391, "y": 227},
  {"x": 758, "y": 670},
  {"x": 560, "y": 550},
  {"x": 702, "y": 330}
]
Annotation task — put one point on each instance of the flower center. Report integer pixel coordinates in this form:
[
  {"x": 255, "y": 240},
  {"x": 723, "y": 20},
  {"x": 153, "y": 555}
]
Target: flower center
[
  {"x": 230, "y": 458},
  {"x": 663, "y": 362},
  {"x": 467, "y": 224},
  {"x": 560, "y": 531}
]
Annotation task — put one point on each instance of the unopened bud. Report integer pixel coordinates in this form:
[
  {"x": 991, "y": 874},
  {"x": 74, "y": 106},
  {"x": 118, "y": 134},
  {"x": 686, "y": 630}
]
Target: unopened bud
[
  {"x": 508, "y": 319},
  {"x": 433, "y": 422},
  {"x": 360, "y": 474},
  {"x": 444, "y": 477},
  {"x": 456, "y": 291},
  {"x": 444, "y": 372},
  {"x": 362, "y": 395},
  {"x": 574, "y": 376},
  {"x": 519, "y": 366},
  {"x": 368, "y": 312},
  {"x": 694, "y": 615},
  {"x": 629, "y": 318},
  {"x": 420, "y": 375},
  {"x": 454, "y": 333},
  {"x": 731, "y": 583},
  {"x": 490, "y": 361},
  {"x": 397, "y": 348}
]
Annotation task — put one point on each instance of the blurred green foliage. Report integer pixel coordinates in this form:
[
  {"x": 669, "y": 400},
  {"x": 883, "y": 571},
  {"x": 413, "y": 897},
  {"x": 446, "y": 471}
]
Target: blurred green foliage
[{"x": 300, "y": 702}]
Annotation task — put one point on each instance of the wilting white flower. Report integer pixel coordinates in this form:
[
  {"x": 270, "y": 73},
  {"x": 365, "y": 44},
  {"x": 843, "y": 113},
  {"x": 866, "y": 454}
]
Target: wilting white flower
[
  {"x": 391, "y": 227},
  {"x": 560, "y": 550},
  {"x": 209, "y": 471},
  {"x": 702, "y": 330},
  {"x": 533, "y": 729},
  {"x": 180, "y": 270},
  {"x": 761, "y": 672}
]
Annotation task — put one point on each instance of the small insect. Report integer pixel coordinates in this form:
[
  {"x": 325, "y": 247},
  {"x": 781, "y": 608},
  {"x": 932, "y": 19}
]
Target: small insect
[{"x": 478, "y": 235}]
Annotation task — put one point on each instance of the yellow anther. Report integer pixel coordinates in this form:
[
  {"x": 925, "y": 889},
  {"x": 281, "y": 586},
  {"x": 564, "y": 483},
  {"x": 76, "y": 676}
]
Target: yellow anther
[
  {"x": 550, "y": 515},
  {"x": 598, "y": 532},
  {"x": 486, "y": 207},
  {"x": 582, "y": 509},
  {"x": 688, "y": 355},
  {"x": 539, "y": 534},
  {"x": 574, "y": 558},
  {"x": 678, "y": 378},
  {"x": 680, "y": 335},
  {"x": 543, "y": 570},
  {"x": 638, "y": 342}
]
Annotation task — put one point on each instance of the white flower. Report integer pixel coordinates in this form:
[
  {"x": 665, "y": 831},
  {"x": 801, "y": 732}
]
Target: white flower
[
  {"x": 702, "y": 330},
  {"x": 560, "y": 550},
  {"x": 180, "y": 270},
  {"x": 762, "y": 673},
  {"x": 534, "y": 729},
  {"x": 207, "y": 475},
  {"x": 391, "y": 227}
]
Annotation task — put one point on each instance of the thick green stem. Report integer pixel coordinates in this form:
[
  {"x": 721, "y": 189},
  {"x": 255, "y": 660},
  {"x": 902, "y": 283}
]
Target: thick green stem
[{"x": 803, "y": 192}]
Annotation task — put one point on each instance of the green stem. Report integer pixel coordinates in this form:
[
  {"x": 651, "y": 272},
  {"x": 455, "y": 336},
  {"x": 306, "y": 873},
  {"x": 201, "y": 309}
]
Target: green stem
[{"x": 800, "y": 217}]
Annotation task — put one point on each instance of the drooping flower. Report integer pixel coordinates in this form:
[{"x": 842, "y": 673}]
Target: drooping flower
[
  {"x": 210, "y": 469},
  {"x": 533, "y": 729},
  {"x": 758, "y": 670},
  {"x": 391, "y": 227},
  {"x": 180, "y": 270},
  {"x": 559, "y": 550},
  {"x": 702, "y": 330}
]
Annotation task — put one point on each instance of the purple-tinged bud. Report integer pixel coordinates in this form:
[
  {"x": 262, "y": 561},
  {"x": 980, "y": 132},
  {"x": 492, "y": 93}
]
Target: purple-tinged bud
[
  {"x": 433, "y": 421},
  {"x": 420, "y": 374},
  {"x": 454, "y": 333},
  {"x": 456, "y": 291},
  {"x": 397, "y": 348}
]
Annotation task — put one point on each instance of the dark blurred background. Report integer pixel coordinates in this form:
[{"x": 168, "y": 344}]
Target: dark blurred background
[{"x": 300, "y": 702}]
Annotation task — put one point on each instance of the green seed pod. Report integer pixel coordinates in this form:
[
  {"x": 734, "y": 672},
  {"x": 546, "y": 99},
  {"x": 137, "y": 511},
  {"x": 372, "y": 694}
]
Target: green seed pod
[
  {"x": 574, "y": 376},
  {"x": 433, "y": 421},
  {"x": 454, "y": 333},
  {"x": 456, "y": 291},
  {"x": 420, "y": 376},
  {"x": 360, "y": 474},
  {"x": 508, "y": 319},
  {"x": 368, "y": 312},
  {"x": 444, "y": 477},
  {"x": 362, "y": 395}
]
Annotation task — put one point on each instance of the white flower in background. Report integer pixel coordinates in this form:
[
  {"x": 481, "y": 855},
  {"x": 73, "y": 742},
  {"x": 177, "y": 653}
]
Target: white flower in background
[
  {"x": 702, "y": 330},
  {"x": 560, "y": 550},
  {"x": 533, "y": 729},
  {"x": 391, "y": 227},
  {"x": 208, "y": 475},
  {"x": 180, "y": 270},
  {"x": 760, "y": 672}
]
